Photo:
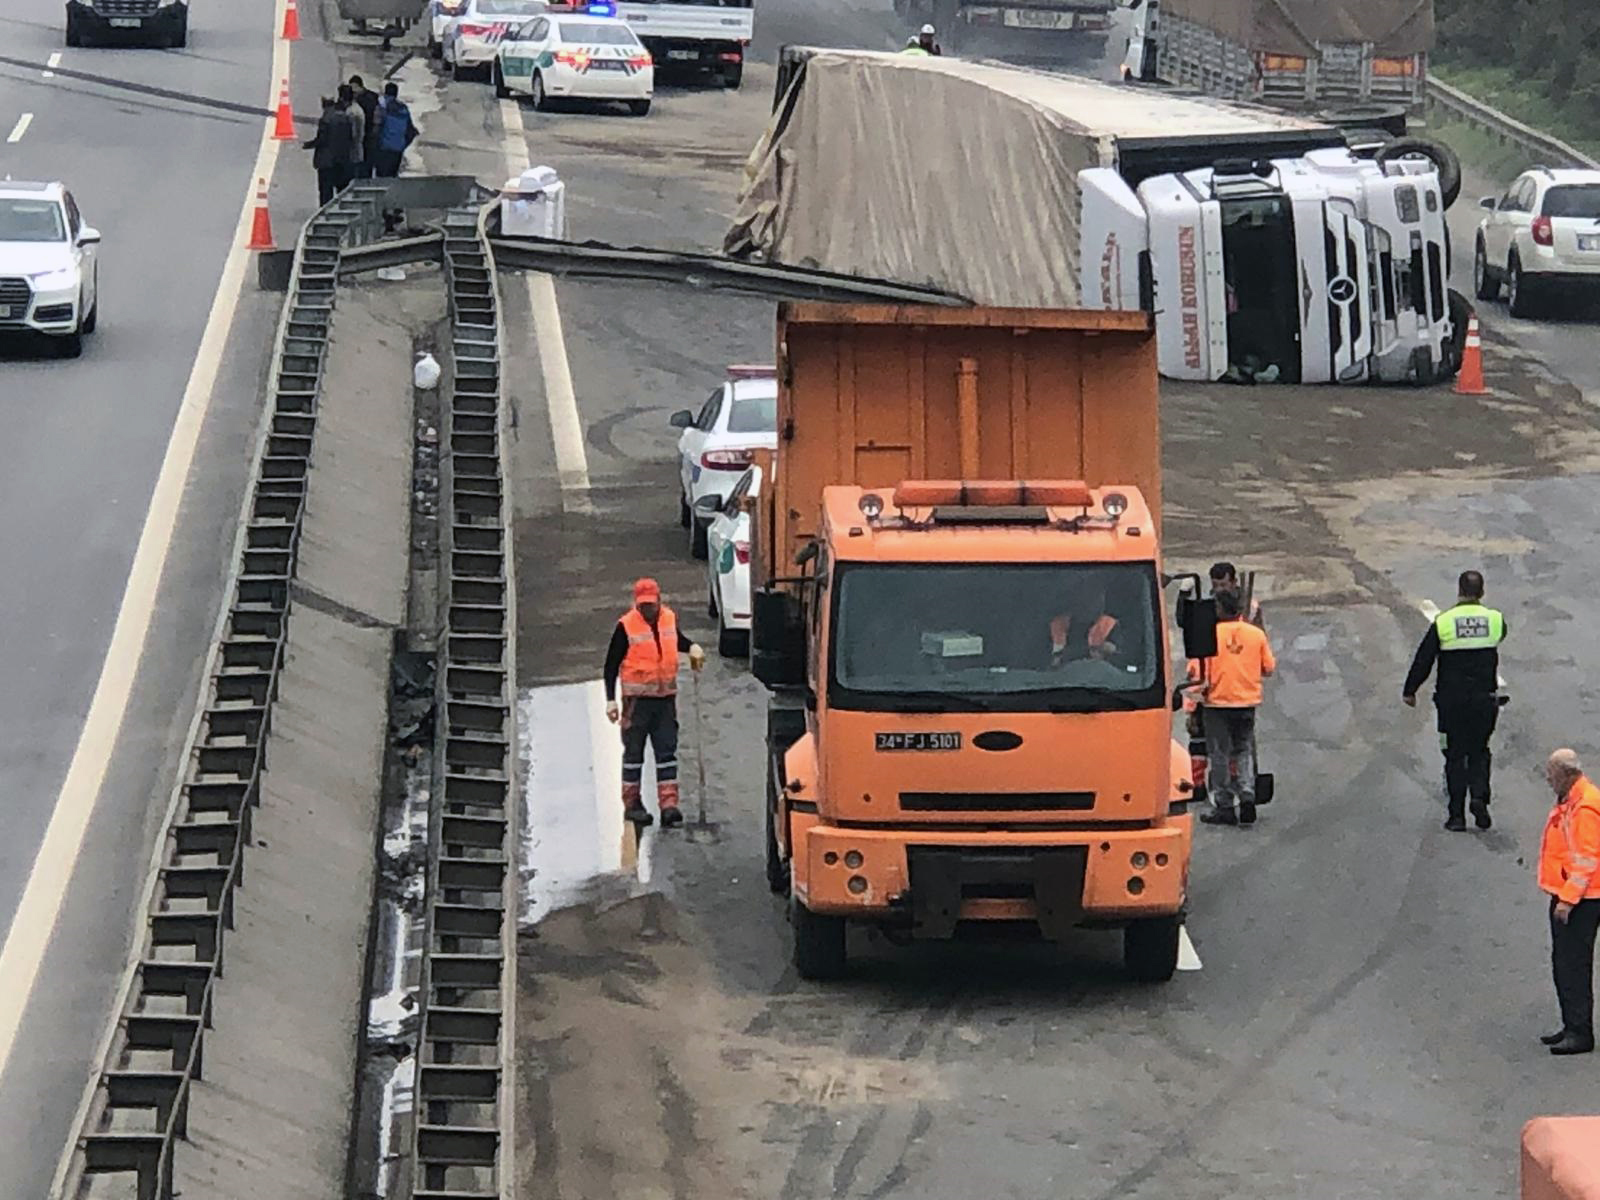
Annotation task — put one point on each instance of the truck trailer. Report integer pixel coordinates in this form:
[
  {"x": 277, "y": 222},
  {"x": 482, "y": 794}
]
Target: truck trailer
[
  {"x": 1044, "y": 28},
  {"x": 1354, "y": 62},
  {"x": 958, "y": 614},
  {"x": 1265, "y": 246}
]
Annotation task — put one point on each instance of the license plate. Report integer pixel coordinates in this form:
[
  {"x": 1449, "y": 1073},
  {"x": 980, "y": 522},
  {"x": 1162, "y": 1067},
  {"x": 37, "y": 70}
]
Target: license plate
[
  {"x": 5, "y": 312},
  {"x": 124, "y": 22},
  {"x": 1591, "y": 242},
  {"x": 683, "y": 55},
  {"x": 1028, "y": 18},
  {"x": 917, "y": 741},
  {"x": 605, "y": 64}
]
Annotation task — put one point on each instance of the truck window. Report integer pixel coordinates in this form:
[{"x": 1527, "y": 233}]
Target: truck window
[
  {"x": 1258, "y": 266},
  {"x": 996, "y": 637},
  {"x": 1573, "y": 200}
]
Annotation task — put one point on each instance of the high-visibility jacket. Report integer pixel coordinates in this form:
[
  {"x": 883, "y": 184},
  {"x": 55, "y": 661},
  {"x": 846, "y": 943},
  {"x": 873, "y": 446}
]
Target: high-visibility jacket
[
  {"x": 1569, "y": 852},
  {"x": 1099, "y": 633},
  {"x": 1470, "y": 627},
  {"x": 650, "y": 667},
  {"x": 1234, "y": 676},
  {"x": 915, "y": 50}
]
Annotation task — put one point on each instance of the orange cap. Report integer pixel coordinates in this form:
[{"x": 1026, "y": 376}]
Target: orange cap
[{"x": 646, "y": 591}]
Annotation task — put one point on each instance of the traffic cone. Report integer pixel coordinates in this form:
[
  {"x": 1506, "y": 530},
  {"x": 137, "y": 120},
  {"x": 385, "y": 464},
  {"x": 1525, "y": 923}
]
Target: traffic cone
[
  {"x": 291, "y": 22},
  {"x": 1469, "y": 379},
  {"x": 261, "y": 224},
  {"x": 283, "y": 130}
]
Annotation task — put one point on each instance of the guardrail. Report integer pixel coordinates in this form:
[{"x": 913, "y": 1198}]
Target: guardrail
[{"x": 1543, "y": 148}]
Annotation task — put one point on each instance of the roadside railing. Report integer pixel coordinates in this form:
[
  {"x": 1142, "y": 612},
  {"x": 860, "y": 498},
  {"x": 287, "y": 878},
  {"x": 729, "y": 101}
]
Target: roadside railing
[{"x": 1550, "y": 151}]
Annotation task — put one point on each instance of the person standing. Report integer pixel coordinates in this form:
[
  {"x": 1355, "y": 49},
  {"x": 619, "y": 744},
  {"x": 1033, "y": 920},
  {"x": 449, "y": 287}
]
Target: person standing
[
  {"x": 358, "y": 132},
  {"x": 1231, "y": 693},
  {"x": 396, "y": 132},
  {"x": 1225, "y": 576},
  {"x": 1465, "y": 641},
  {"x": 643, "y": 655},
  {"x": 330, "y": 150},
  {"x": 1569, "y": 872},
  {"x": 367, "y": 101}
]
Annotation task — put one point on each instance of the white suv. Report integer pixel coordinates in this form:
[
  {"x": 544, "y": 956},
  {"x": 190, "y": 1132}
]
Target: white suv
[
  {"x": 1544, "y": 232},
  {"x": 48, "y": 276}
]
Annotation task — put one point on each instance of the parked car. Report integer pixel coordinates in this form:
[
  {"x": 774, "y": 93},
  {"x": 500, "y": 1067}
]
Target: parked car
[
  {"x": 49, "y": 272},
  {"x": 473, "y": 34},
  {"x": 736, "y": 420},
  {"x": 728, "y": 565},
  {"x": 578, "y": 57},
  {"x": 1541, "y": 235}
]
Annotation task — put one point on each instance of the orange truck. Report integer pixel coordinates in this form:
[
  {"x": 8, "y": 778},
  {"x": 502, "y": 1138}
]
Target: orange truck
[{"x": 958, "y": 614}]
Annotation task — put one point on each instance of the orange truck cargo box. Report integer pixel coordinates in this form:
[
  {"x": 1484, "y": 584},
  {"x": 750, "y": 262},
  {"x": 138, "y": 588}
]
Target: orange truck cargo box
[{"x": 1561, "y": 1158}]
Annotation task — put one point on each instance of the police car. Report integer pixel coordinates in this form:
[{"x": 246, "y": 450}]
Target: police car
[
  {"x": 736, "y": 420},
  {"x": 471, "y": 35},
  {"x": 583, "y": 56},
  {"x": 48, "y": 265}
]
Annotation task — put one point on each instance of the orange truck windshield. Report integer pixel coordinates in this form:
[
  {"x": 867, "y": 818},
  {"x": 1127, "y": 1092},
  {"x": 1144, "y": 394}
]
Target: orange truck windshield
[{"x": 996, "y": 637}]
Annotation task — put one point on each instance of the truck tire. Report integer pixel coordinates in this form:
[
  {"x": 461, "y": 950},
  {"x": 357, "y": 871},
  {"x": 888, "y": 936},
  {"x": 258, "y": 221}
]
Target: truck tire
[
  {"x": 1150, "y": 949},
  {"x": 1485, "y": 283},
  {"x": 777, "y": 868},
  {"x": 1443, "y": 158},
  {"x": 179, "y": 37},
  {"x": 74, "y": 34},
  {"x": 819, "y": 951}
]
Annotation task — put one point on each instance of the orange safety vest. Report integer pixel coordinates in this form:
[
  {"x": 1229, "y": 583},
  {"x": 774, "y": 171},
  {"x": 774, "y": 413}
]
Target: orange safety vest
[
  {"x": 651, "y": 665},
  {"x": 1569, "y": 852},
  {"x": 1099, "y": 633},
  {"x": 1234, "y": 675}
]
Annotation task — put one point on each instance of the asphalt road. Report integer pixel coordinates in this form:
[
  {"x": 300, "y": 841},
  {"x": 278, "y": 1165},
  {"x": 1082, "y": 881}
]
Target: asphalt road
[{"x": 153, "y": 146}]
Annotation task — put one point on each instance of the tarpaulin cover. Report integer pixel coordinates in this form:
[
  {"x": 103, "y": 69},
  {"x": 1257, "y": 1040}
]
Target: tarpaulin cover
[
  {"x": 949, "y": 174},
  {"x": 1396, "y": 28}
]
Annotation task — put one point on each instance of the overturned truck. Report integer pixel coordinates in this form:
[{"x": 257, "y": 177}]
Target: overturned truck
[{"x": 1264, "y": 244}]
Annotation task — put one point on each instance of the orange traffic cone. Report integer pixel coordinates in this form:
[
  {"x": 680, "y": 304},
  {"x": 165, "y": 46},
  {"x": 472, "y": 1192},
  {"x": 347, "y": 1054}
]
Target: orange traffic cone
[
  {"x": 291, "y": 23},
  {"x": 1469, "y": 380},
  {"x": 283, "y": 130},
  {"x": 261, "y": 224}
]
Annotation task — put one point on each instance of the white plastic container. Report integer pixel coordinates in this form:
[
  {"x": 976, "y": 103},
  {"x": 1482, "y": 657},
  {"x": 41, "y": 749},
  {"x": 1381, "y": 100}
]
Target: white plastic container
[{"x": 534, "y": 205}]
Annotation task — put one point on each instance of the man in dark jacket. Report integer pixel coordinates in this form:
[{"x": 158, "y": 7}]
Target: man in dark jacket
[
  {"x": 367, "y": 102},
  {"x": 330, "y": 149}
]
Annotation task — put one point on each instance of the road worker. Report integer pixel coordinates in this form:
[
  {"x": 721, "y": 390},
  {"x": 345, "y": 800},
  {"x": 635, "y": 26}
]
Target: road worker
[
  {"x": 1230, "y": 691},
  {"x": 1465, "y": 640},
  {"x": 644, "y": 653},
  {"x": 1086, "y": 631},
  {"x": 914, "y": 46},
  {"x": 928, "y": 41},
  {"x": 1569, "y": 870},
  {"x": 1225, "y": 576}
]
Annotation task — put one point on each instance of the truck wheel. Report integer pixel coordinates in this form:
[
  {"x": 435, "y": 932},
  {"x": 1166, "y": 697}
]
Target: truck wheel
[
  {"x": 819, "y": 943},
  {"x": 179, "y": 37},
  {"x": 1150, "y": 949},
  {"x": 1484, "y": 284},
  {"x": 1444, "y": 161},
  {"x": 777, "y": 869},
  {"x": 74, "y": 34}
]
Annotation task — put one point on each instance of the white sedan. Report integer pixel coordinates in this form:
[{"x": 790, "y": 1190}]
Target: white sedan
[
  {"x": 728, "y": 565},
  {"x": 737, "y": 419},
  {"x": 472, "y": 35},
  {"x": 577, "y": 57},
  {"x": 49, "y": 278}
]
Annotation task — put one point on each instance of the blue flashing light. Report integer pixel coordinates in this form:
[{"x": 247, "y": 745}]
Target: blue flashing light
[{"x": 601, "y": 9}]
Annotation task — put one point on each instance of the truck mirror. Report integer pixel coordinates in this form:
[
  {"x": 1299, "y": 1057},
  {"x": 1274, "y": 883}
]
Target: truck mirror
[
  {"x": 777, "y": 638},
  {"x": 1197, "y": 617}
]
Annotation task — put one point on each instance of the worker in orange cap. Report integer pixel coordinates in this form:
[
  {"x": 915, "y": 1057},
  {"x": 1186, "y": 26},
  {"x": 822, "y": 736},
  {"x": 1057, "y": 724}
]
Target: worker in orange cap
[
  {"x": 1569, "y": 872},
  {"x": 644, "y": 654}
]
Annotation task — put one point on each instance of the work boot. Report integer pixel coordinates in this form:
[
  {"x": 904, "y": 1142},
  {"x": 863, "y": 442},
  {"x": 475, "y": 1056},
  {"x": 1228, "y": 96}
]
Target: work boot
[
  {"x": 1574, "y": 1043},
  {"x": 1219, "y": 816},
  {"x": 1552, "y": 1039},
  {"x": 671, "y": 816},
  {"x": 639, "y": 815},
  {"x": 1480, "y": 814},
  {"x": 1455, "y": 824},
  {"x": 1247, "y": 812}
]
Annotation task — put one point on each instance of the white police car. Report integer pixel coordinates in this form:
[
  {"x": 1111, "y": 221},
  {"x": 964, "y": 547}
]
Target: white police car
[
  {"x": 582, "y": 56},
  {"x": 470, "y": 37},
  {"x": 48, "y": 264},
  {"x": 736, "y": 420}
]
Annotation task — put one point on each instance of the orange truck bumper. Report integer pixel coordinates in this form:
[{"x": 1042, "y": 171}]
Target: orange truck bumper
[
  {"x": 935, "y": 878},
  {"x": 1561, "y": 1158}
]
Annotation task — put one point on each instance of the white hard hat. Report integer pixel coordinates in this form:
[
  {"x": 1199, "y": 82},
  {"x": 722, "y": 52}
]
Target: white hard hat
[{"x": 927, "y": 31}]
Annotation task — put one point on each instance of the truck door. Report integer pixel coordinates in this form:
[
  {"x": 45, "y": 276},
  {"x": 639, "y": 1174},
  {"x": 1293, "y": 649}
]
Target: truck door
[{"x": 1191, "y": 302}]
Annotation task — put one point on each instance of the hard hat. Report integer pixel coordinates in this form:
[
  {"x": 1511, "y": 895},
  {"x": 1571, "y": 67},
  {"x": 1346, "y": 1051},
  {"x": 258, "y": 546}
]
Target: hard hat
[
  {"x": 927, "y": 31},
  {"x": 646, "y": 591}
]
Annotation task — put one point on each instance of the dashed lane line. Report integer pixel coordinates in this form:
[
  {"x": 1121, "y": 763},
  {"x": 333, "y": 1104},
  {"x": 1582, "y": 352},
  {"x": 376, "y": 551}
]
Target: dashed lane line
[
  {"x": 51, "y": 64},
  {"x": 20, "y": 128}
]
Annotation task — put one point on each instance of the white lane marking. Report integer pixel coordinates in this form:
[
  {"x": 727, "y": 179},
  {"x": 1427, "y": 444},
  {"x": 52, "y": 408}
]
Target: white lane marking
[
  {"x": 51, "y": 64},
  {"x": 20, "y": 128},
  {"x": 1188, "y": 959},
  {"x": 33, "y": 925},
  {"x": 566, "y": 424}
]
